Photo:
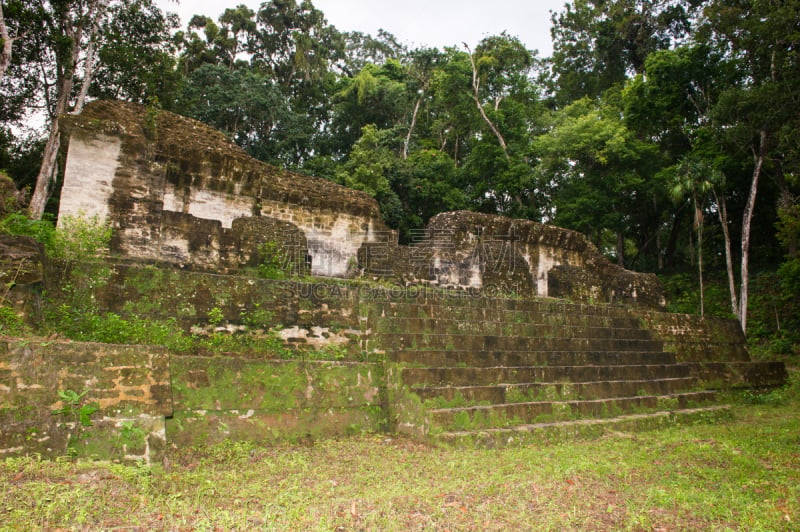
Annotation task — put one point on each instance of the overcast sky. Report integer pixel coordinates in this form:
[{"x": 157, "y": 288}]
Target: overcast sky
[{"x": 436, "y": 23}]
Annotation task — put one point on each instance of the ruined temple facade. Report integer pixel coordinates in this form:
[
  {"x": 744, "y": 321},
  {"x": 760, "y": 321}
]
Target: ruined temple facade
[{"x": 177, "y": 191}]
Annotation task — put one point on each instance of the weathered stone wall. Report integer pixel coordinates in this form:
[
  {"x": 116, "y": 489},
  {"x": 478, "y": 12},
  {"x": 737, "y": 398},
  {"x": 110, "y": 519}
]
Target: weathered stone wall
[
  {"x": 335, "y": 313},
  {"x": 174, "y": 190},
  {"x": 699, "y": 339},
  {"x": 130, "y": 386},
  {"x": 501, "y": 256},
  {"x": 177, "y": 191},
  {"x": 184, "y": 399},
  {"x": 314, "y": 315},
  {"x": 222, "y": 398},
  {"x": 149, "y": 402},
  {"x": 22, "y": 275}
]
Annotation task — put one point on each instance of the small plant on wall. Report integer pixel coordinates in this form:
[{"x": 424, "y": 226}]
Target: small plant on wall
[
  {"x": 273, "y": 263},
  {"x": 77, "y": 415}
]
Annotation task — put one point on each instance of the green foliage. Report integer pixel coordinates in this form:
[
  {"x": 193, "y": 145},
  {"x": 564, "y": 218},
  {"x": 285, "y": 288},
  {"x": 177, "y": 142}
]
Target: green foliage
[
  {"x": 777, "y": 397},
  {"x": 75, "y": 409},
  {"x": 258, "y": 318},
  {"x": 81, "y": 237},
  {"x": 76, "y": 238},
  {"x": 774, "y": 323},
  {"x": 789, "y": 275},
  {"x": 273, "y": 263},
  {"x": 215, "y": 316},
  {"x": 43, "y": 231},
  {"x": 90, "y": 325},
  {"x": 151, "y": 118},
  {"x": 77, "y": 415},
  {"x": 596, "y": 44},
  {"x": 10, "y": 322},
  {"x": 136, "y": 59},
  {"x": 130, "y": 432},
  {"x": 683, "y": 295}
]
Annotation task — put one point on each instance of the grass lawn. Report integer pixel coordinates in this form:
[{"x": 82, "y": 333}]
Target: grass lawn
[{"x": 740, "y": 475}]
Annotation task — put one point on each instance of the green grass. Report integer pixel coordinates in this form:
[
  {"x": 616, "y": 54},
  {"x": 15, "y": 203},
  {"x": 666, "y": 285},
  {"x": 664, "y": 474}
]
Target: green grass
[{"x": 742, "y": 475}]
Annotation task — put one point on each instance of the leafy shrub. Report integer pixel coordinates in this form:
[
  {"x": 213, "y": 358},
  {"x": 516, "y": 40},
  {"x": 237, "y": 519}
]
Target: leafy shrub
[
  {"x": 273, "y": 261},
  {"x": 108, "y": 327},
  {"x": 43, "y": 231},
  {"x": 76, "y": 238},
  {"x": 10, "y": 322},
  {"x": 81, "y": 237},
  {"x": 258, "y": 318},
  {"x": 215, "y": 316}
]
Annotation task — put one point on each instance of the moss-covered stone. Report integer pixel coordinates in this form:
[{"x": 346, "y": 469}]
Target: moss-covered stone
[{"x": 125, "y": 388}]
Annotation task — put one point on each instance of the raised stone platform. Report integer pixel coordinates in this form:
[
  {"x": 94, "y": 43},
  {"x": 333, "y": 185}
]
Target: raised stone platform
[
  {"x": 439, "y": 365},
  {"x": 486, "y": 330}
]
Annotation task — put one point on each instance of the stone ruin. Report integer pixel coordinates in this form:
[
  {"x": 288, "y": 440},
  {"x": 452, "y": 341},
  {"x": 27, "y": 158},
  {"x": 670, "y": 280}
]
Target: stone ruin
[
  {"x": 484, "y": 331},
  {"x": 182, "y": 193}
]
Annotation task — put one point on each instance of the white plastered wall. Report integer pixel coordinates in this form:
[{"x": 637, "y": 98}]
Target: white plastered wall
[{"x": 88, "y": 177}]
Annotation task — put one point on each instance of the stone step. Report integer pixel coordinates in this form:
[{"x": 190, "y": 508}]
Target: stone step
[
  {"x": 540, "y": 391},
  {"x": 586, "y": 316},
  {"x": 470, "y": 376},
  {"x": 403, "y": 306},
  {"x": 456, "y": 317},
  {"x": 481, "y": 342},
  {"x": 209, "y": 427},
  {"x": 583, "y": 428},
  {"x": 727, "y": 375},
  {"x": 406, "y": 326},
  {"x": 455, "y": 358},
  {"x": 512, "y": 414}
]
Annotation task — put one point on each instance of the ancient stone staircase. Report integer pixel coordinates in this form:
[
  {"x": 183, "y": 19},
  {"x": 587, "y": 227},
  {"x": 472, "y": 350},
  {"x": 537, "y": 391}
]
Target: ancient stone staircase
[{"x": 496, "y": 372}]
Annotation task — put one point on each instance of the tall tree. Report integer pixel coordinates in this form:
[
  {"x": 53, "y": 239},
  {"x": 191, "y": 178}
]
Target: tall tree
[
  {"x": 291, "y": 41},
  {"x": 673, "y": 104},
  {"x": 598, "y": 43},
  {"x": 693, "y": 180},
  {"x": 760, "y": 38},
  {"x": 63, "y": 52},
  {"x": 6, "y": 44},
  {"x": 72, "y": 26},
  {"x": 420, "y": 70},
  {"x": 507, "y": 102},
  {"x": 360, "y": 49},
  {"x": 136, "y": 55},
  {"x": 589, "y": 164}
]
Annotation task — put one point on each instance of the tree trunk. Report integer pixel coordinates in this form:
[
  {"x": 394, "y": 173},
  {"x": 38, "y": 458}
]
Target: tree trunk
[
  {"x": 672, "y": 242},
  {"x": 747, "y": 221},
  {"x": 723, "y": 219},
  {"x": 699, "y": 226},
  {"x": 88, "y": 73},
  {"x": 411, "y": 127},
  {"x": 620, "y": 249},
  {"x": 96, "y": 13},
  {"x": 7, "y": 42},
  {"x": 74, "y": 31},
  {"x": 44, "y": 180}
]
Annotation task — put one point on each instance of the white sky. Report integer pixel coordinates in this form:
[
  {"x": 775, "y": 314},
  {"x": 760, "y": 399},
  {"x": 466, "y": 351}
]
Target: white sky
[{"x": 436, "y": 23}]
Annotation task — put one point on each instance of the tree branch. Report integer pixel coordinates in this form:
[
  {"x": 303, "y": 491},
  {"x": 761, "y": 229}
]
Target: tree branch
[{"x": 475, "y": 88}]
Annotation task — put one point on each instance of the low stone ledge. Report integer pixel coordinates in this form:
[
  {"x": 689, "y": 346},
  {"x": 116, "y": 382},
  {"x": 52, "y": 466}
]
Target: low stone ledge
[{"x": 128, "y": 385}]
